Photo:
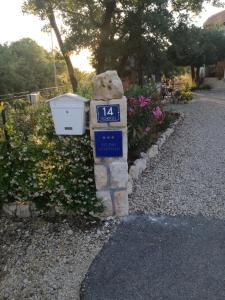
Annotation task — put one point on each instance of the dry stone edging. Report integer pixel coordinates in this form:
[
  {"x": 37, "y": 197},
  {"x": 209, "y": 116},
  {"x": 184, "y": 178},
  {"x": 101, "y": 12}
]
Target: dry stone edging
[
  {"x": 20, "y": 210},
  {"x": 140, "y": 164}
]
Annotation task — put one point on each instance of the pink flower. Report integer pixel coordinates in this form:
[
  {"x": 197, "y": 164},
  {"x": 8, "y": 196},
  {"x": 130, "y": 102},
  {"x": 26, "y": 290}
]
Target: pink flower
[
  {"x": 132, "y": 100},
  {"x": 143, "y": 101},
  {"x": 157, "y": 113},
  {"x": 147, "y": 129},
  {"x": 131, "y": 111}
]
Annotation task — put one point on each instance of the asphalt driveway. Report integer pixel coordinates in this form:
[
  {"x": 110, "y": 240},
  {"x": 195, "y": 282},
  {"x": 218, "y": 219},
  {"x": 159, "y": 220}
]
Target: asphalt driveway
[{"x": 160, "y": 258}]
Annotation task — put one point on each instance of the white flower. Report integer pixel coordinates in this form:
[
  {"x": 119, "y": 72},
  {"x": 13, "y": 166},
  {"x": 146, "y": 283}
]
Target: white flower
[{"x": 45, "y": 151}]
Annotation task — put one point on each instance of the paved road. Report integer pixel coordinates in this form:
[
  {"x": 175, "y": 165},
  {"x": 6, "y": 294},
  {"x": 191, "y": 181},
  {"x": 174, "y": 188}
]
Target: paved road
[
  {"x": 160, "y": 258},
  {"x": 165, "y": 257}
]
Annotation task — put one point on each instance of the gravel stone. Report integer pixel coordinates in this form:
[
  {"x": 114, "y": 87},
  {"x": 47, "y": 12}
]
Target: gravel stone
[
  {"x": 47, "y": 258},
  {"x": 187, "y": 178}
]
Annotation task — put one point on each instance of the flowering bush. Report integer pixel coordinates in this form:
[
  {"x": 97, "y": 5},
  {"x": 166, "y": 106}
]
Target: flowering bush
[
  {"x": 145, "y": 118},
  {"x": 184, "y": 94},
  {"x": 41, "y": 167}
]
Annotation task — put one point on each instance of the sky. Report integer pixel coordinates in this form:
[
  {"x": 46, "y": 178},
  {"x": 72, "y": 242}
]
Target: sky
[{"x": 14, "y": 26}]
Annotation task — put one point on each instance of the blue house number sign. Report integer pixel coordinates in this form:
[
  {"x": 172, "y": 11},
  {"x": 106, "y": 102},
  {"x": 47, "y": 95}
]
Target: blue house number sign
[
  {"x": 108, "y": 113},
  {"x": 108, "y": 143}
]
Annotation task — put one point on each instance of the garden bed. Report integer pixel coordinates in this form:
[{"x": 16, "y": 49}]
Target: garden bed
[{"x": 170, "y": 119}]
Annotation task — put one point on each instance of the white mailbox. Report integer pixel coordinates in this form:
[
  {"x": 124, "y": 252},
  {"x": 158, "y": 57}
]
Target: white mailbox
[{"x": 68, "y": 112}]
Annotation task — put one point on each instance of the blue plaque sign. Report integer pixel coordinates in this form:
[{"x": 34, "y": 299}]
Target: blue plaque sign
[
  {"x": 108, "y": 113},
  {"x": 108, "y": 143}
]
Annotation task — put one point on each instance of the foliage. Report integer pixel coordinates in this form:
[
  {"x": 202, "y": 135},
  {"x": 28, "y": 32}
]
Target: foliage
[
  {"x": 203, "y": 86},
  {"x": 26, "y": 66},
  {"x": 85, "y": 87},
  {"x": 184, "y": 94},
  {"x": 45, "y": 10},
  {"x": 146, "y": 90},
  {"x": 118, "y": 31},
  {"x": 41, "y": 167},
  {"x": 193, "y": 46}
]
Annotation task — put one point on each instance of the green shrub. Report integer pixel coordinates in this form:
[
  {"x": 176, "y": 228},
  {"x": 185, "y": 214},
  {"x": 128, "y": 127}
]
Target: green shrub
[
  {"x": 148, "y": 90},
  {"x": 85, "y": 88},
  {"x": 184, "y": 94},
  {"x": 204, "y": 86},
  {"x": 43, "y": 168}
]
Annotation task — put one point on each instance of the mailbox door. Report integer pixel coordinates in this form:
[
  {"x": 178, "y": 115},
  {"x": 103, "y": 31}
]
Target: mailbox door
[{"x": 69, "y": 121}]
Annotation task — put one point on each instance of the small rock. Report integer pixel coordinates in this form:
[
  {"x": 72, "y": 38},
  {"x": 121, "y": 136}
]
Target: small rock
[
  {"x": 134, "y": 172},
  {"x": 23, "y": 211},
  {"x": 10, "y": 209},
  {"x": 161, "y": 141},
  {"x": 141, "y": 164},
  {"x": 144, "y": 155},
  {"x": 26, "y": 234},
  {"x": 153, "y": 151},
  {"x": 70, "y": 232}
]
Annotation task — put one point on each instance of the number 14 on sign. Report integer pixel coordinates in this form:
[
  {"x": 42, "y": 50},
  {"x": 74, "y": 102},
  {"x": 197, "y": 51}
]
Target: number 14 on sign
[{"x": 108, "y": 113}]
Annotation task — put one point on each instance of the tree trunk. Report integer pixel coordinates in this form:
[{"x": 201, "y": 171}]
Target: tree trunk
[
  {"x": 105, "y": 32},
  {"x": 193, "y": 73},
  {"x": 140, "y": 74},
  {"x": 65, "y": 54},
  {"x": 198, "y": 76},
  {"x": 122, "y": 65}
]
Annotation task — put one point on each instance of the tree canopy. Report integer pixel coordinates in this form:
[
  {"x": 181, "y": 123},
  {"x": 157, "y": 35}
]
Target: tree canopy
[
  {"x": 118, "y": 30},
  {"x": 195, "y": 47},
  {"x": 26, "y": 66}
]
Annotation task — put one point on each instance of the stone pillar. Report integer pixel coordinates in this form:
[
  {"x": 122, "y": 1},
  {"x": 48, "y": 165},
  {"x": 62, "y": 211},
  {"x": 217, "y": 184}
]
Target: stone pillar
[{"x": 108, "y": 128}]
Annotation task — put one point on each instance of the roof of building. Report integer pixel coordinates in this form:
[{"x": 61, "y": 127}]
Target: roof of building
[{"x": 217, "y": 19}]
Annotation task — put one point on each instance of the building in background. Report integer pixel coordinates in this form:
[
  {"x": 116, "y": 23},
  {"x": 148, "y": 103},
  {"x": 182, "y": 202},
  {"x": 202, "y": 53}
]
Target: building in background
[
  {"x": 217, "y": 70},
  {"x": 217, "y": 19}
]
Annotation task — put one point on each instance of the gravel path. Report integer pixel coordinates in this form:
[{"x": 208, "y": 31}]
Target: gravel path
[
  {"x": 47, "y": 259},
  {"x": 42, "y": 259},
  {"x": 189, "y": 176}
]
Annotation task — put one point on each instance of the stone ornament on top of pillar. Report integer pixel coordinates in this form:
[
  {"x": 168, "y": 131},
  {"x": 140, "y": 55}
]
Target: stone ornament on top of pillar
[
  {"x": 107, "y": 86},
  {"x": 108, "y": 129}
]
